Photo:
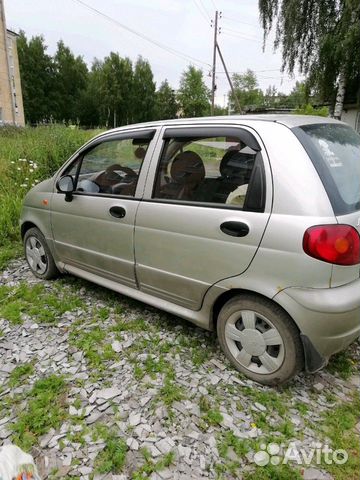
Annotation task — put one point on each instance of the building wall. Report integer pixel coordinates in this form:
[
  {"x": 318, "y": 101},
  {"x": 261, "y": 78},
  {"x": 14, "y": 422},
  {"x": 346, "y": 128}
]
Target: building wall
[
  {"x": 15, "y": 79},
  {"x": 11, "y": 103},
  {"x": 351, "y": 116}
]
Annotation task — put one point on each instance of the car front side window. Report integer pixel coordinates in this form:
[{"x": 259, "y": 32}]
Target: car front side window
[{"x": 111, "y": 167}]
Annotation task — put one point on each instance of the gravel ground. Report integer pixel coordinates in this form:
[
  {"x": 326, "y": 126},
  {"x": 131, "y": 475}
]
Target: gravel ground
[{"x": 153, "y": 384}]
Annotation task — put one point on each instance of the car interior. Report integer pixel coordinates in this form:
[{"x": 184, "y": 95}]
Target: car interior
[{"x": 218, "y": 177}]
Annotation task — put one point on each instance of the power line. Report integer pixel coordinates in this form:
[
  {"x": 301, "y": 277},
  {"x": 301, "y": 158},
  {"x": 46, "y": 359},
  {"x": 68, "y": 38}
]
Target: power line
[
  {"x": 202, "y": 13},
  {"x": 206, "y": 12},
  {"x": 241, "y": 36},
  {"x": 141, "y": 35},
  {"x": 238, "y": 32},
  {"x": 214, "y": 4},
  {"x": 239, "y": 21}
]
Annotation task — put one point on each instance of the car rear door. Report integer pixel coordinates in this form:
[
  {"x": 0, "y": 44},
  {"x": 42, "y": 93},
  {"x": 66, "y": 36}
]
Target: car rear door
[{"x": 187, "y": 237}]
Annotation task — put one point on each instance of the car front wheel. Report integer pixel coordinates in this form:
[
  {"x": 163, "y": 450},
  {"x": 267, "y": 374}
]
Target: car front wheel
[
  {"x": 38, "y": 255},
  {"x": 260, "y": 339}
]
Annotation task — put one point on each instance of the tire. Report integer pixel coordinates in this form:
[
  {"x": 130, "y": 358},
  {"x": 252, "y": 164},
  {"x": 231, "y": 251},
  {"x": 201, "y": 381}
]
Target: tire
[
  {"x": 260, "y": 339},
  {"x": 38, "y": 255}
]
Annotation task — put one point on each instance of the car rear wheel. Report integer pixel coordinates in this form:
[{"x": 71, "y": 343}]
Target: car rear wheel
[
  {"x": 38, "y": 255},
  {"x": 260, "y": 339}
]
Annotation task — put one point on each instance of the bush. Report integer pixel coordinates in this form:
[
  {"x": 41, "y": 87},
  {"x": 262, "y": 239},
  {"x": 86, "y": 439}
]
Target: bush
[{"x": 28, "y": 156}]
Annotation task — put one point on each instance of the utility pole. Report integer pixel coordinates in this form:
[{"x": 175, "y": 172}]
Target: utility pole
[
  {"x": 229, "y": 79},
  {"x": 213, "y": 86}
]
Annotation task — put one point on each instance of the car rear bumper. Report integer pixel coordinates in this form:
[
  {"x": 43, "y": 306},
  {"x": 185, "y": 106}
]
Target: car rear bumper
[{"x": 329, "y": 318}]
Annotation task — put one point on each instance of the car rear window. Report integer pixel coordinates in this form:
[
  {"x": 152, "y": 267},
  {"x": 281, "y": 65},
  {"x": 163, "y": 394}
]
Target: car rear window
[{"x": 335, "y": 152}]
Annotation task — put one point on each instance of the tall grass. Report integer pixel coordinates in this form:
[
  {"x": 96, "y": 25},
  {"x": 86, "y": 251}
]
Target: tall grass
[{"x": 28, "y": 156}]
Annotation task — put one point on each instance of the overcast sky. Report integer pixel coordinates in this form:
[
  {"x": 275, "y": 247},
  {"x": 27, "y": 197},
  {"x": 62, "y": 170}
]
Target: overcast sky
[{"x": 182, "y": 25}]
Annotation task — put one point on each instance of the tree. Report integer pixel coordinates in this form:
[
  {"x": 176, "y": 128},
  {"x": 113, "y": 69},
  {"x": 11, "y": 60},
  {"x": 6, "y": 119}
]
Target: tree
[
  {"x": 246, "y": 90},
  {"x": 143, "y": 93},
  {"x": 71, "y": 76},
  {"x": 166, "y": 104},
  {"x": 321, "y": 37},
  {"x": 193, "y": 94},
  {"x": 115, "y": 83},
  {"x": 37, "y": 78}
]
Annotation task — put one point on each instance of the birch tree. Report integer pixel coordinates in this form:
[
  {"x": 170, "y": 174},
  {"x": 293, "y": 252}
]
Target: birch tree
[{"x": 321, "y": 38}]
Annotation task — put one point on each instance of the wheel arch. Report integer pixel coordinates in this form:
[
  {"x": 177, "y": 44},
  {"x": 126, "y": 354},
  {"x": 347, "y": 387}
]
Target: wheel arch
[
  {"x": 26, "y": 226},
  {"x": 313, "y": 360}
]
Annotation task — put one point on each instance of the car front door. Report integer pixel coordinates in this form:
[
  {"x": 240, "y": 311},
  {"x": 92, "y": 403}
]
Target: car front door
[
  {"x": 95, "y": 230},
  {"x": 204, "y": 211}
]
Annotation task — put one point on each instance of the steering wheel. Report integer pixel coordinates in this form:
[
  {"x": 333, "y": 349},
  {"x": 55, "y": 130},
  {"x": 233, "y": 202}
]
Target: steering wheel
[
  {"x": 109, "y": 177},
  {"x": 127, "y": 170}
]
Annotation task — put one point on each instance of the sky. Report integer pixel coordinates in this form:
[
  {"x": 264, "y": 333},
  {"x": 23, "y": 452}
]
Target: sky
[{"x": 179, "y": 28}]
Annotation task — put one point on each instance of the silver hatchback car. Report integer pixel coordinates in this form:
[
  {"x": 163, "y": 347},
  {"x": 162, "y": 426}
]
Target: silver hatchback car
[{"x": 248, "y": 225}]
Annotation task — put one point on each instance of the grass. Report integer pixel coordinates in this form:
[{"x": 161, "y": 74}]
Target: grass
[
  {"x": 338, "y": 425},
  {"x": 8, "y": 252},
  {"x": 342, "y": 364},
  {"x": 20, "y": 374},
  {"x": 150, "y": 466},
  {"x": 36, "y": 301},
  {"x": 92, "y": 343},
  {"x": 45, "y": 409},
  {"x": 112, "y": 458},
  {"x": 28, "y": 156}
]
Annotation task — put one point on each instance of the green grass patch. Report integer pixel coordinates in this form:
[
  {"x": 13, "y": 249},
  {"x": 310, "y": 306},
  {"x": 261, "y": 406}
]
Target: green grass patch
[
  {"x": 274, "y": 472},
  {"x": 8, "y": 252},
  {"x": 170, "y": 392},
  {"x": 92, "y": 343},
  {"x": 20, "y": 373},
  {"x": 342, "y": 364},
  {"x": 338, "y": 425},
  {"x": 43, "y": 306},
  {"x": 112, "y": 458},
  {"x": 150, "y": 466},
  {"x": 46, "y": 408}
]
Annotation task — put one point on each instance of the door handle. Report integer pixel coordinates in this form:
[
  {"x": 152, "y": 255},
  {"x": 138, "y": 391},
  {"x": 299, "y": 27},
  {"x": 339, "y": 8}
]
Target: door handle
[
  {"x": 235, "y": 229},
  {"x": 117, "y": 212}
]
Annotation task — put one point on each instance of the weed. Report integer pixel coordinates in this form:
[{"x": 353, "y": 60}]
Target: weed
[
  {"x": 20, "y": 373},
  {"x": 45, "y": 410},
  {"x": 112, "y": 458},
  {"x": 35, "y": 301},
  {"x": 92, "y": 343},
  {"x": 170, "y": 392},
  {"x": 342, "y": 364},
  {"x": 149, "y": 467},
  {"x": 338, "y": 425}
]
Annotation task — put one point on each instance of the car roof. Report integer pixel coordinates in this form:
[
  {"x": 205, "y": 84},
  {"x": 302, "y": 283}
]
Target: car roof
[{"x": 283, "y": 119}]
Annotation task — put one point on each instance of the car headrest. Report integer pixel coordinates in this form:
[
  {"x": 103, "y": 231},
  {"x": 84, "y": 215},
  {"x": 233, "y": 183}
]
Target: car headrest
[
  {"x": 187, "y": 167},
  {"x": 229, "y": 164}
]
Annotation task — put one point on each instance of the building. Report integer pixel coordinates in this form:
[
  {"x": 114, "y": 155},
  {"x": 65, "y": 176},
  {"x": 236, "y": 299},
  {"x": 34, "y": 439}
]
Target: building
[
  {"x": 351, "y": 111},
  {"x": 11, "y": 101}
]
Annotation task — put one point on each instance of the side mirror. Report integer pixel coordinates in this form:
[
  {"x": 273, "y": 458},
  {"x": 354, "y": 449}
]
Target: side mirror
[{"x": 66, "y": 185}]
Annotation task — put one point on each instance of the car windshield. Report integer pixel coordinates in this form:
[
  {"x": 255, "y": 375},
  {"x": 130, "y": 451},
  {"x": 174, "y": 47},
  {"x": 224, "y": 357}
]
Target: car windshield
[{"x": 335, "y": 152}]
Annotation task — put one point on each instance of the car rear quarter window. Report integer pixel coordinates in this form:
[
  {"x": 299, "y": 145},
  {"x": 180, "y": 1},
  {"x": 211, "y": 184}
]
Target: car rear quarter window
[{"x": 335, "y": 152}]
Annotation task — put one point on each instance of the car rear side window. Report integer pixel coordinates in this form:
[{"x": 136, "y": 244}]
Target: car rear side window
[
  {"x": 335, "y": 152},
  {"x": 209, "y": 170}
]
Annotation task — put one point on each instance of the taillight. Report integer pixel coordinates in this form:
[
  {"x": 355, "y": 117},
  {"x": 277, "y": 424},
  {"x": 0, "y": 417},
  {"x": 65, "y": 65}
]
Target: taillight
[{"x": 338, "y": 244}]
